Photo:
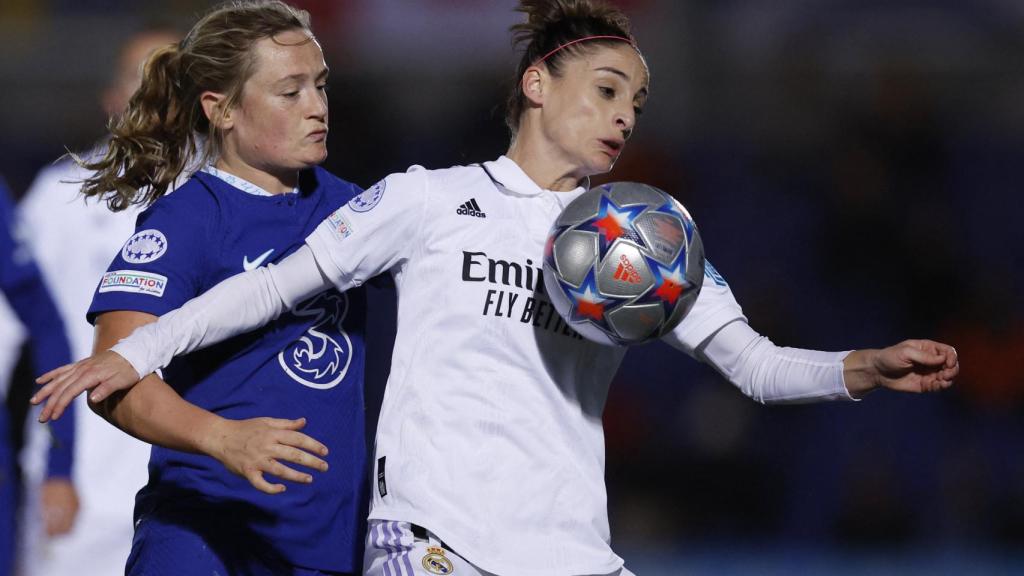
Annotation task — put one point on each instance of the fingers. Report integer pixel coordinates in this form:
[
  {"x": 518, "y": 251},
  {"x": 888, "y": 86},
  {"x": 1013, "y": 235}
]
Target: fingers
[
  {"x": 52, "y": 382},
  {"x": 285, "y": 473},
  {"x": 923, "y": 352},
  {"x": 290, "y": 453},
  {"x": 274, "y": 446},
  {"x": 285, "y": 424},
  {"x": 255, "y": 477},
  {"x": 66, "y": 388},
  {"x": 54, "y": 373},
  {"x": 271, "y": 466},
  {"x": 304, "y": 442},
  {"x": 106, "y": 373}
]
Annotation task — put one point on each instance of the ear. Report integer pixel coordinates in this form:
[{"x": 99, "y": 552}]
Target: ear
[
  {"x": 534, "y": 84},
  {"x": 214, "y": 108}
]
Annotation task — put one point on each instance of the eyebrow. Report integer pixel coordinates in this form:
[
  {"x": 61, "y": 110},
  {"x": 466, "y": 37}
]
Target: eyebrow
[
  {"x": 323, "y": 74},
  {"x": 621, "y": 74}
]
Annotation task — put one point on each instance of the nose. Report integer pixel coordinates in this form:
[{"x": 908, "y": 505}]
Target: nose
[
  {"x": 625, "y": 120},
  {"x": 318, "y": 108}
]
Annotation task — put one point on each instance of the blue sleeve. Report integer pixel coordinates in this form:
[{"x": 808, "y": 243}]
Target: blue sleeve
[
  {"x": 164, "y": 263},
  {"x": 23, "y": 286}
]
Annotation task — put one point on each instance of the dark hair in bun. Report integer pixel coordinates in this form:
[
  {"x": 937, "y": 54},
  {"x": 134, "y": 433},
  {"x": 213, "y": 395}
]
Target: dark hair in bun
[{"x": 553, "y": 23}]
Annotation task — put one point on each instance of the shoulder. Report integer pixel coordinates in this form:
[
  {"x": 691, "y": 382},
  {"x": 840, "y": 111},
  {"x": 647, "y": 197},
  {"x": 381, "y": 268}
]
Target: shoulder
[
  {"x": 193, "y": 197},
  {"x": 191, "y": 207},
  {"x": 337, "y": 190},
  {"x": 456, "y": 177},
  {"x": 435, "y": 180}
]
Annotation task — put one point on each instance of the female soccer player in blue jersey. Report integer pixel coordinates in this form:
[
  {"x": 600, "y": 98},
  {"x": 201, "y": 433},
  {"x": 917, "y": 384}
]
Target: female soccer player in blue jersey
[
  {"x": 489, "y": 456},
  {"x": 242, "y": 99}
]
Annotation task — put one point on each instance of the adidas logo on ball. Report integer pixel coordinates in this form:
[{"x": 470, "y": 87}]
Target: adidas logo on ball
[{"x": 471, "y": 208}]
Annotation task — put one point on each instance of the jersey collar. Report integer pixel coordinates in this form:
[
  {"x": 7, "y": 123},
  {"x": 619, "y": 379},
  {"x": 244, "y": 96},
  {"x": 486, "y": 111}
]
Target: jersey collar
[
  {"x": 240, "y": 183},
  {"x": 511, "y": 177}
]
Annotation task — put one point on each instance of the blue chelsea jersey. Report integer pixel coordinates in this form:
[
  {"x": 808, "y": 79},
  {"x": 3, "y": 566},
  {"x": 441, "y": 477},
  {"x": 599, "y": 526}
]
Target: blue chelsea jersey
[{"x": 307, "y": 363}]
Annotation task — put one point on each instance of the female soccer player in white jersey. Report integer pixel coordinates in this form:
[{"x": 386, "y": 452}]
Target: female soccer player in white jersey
[
  {"x": 489, "y": 454},
  {"x": 242, "y": 98}
]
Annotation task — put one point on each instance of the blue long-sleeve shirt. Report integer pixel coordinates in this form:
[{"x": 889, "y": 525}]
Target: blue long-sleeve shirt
[{"x": 23, "y": 286}]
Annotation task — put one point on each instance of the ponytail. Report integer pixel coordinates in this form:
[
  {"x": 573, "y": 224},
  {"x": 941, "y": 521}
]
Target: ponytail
[
  {"x": 164, "y": 131},
  {"x": 151, "y": 142}
]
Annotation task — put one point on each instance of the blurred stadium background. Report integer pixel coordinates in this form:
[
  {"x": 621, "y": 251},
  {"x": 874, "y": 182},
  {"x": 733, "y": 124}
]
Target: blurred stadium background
[{"x": 851, "y": 164}]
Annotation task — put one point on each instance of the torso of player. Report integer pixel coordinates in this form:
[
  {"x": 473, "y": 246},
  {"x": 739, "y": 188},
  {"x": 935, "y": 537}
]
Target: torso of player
[
  {"x": 490, "y": 433},
  {"x": 307, "y": 363}
]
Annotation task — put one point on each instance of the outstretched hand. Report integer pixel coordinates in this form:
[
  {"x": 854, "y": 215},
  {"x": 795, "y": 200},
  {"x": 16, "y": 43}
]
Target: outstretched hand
[
  {"x": 106, "y": 372},
  {"x": 257, "y": 446},
  {"x": 910, "y": 366}
]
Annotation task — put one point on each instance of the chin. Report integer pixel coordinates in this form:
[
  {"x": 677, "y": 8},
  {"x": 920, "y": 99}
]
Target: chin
[
  {"x": 603, "y": 165},
  {"x": 313, "y": 159}
]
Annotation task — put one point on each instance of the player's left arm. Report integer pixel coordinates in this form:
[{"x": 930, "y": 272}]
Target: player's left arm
[{"x": 773, "y": 374}]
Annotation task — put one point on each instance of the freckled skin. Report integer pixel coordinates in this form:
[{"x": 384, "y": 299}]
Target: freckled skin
[{"x": 279, "y": 125}]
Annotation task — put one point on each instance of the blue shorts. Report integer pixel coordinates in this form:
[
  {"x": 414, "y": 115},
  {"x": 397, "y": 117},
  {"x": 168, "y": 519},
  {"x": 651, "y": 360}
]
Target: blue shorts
[{"x": 186, "y": 542}]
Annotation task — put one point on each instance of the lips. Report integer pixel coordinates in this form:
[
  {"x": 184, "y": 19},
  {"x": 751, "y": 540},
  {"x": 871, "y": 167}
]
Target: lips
[
  {"x": 613, "y": 145},
  {"x": 318, "y": 134}
]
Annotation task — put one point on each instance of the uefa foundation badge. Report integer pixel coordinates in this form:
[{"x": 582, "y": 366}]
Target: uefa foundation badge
[{"x": 436, "y": 562}]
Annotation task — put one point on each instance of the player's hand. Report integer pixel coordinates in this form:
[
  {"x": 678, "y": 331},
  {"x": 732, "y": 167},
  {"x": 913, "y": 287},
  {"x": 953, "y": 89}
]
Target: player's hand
[
  {"x": 258, "y": 446},
  {"x": 107, "y": 372},
  {"x": 910, "y": 366},
  {"x": 59, "y": 505}
]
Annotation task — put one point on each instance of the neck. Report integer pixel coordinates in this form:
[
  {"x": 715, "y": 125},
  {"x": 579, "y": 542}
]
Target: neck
[
  {"x": 544, "y": 165},
  {"x": 281, "y": 183}
]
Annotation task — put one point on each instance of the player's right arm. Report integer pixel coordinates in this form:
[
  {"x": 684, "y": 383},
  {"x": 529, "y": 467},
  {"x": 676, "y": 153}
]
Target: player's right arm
[
  {"x": 152, "y": 411},
  {"x": 384, "y": 230}
]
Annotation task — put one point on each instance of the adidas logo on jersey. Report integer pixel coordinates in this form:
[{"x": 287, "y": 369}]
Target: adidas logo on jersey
[{"x": 471, "y": 208}]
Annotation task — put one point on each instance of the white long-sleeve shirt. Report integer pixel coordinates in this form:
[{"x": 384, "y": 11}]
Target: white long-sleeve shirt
[{"x": 490, "y": 433}]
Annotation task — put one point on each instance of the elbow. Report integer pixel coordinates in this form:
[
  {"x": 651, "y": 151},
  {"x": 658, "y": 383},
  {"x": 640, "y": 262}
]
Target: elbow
[
  {"x": 105, "y": 408},
  {"x": 751, "y": 391}
]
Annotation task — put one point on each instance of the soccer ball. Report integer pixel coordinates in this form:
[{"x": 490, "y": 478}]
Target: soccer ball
[{"x": 623, "y": 263}]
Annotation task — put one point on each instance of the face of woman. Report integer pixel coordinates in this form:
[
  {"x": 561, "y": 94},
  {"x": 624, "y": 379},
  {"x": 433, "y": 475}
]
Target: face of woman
[
  {"x": 279, "y": 124},
  {"x": 593, "y": 106}
]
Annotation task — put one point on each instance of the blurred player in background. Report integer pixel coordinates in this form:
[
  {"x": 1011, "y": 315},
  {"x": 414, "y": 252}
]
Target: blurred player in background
[
  {"x": 73, "y": 240},
  {"x": 490, "y": 450},
  {"x": 34, "y": 312},
  {"x": 238, "y": 110}
]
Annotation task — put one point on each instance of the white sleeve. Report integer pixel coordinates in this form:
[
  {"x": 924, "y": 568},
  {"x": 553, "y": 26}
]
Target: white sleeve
[
  {"x": 237, "y": 305},
  {"x": 375, "y": 232},
  {"x": 715, "y": 307},
  {"x": 770, "y": 374}
]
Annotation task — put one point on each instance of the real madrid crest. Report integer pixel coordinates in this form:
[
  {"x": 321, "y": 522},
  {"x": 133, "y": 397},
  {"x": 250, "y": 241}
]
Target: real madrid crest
[{"x": 436, "y": 562}]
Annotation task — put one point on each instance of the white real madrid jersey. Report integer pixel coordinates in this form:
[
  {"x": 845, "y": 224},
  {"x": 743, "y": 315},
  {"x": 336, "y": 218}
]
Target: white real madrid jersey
[{"x": 490, "y": 433}]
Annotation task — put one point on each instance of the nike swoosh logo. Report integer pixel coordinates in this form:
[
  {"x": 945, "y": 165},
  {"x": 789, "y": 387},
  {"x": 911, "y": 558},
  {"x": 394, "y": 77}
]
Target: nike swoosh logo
[{"x": 246, "y": 265}]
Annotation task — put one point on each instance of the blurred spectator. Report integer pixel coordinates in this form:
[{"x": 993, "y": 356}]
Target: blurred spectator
[
  {"x": 74, "y": 242},
  {"x": 23, "y": 288}
]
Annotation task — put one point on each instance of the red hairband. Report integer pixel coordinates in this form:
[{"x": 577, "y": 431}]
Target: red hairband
[{"x": 585, "y": 38}]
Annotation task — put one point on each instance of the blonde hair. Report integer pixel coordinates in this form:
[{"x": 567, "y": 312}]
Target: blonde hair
[{"x": 164, "y": 130}]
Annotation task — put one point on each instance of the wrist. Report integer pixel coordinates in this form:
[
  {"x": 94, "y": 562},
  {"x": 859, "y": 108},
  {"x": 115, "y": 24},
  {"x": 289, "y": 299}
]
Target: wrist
[
  {"x": 860, "y": 372},
  {"x": 209, "y": 438}
]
